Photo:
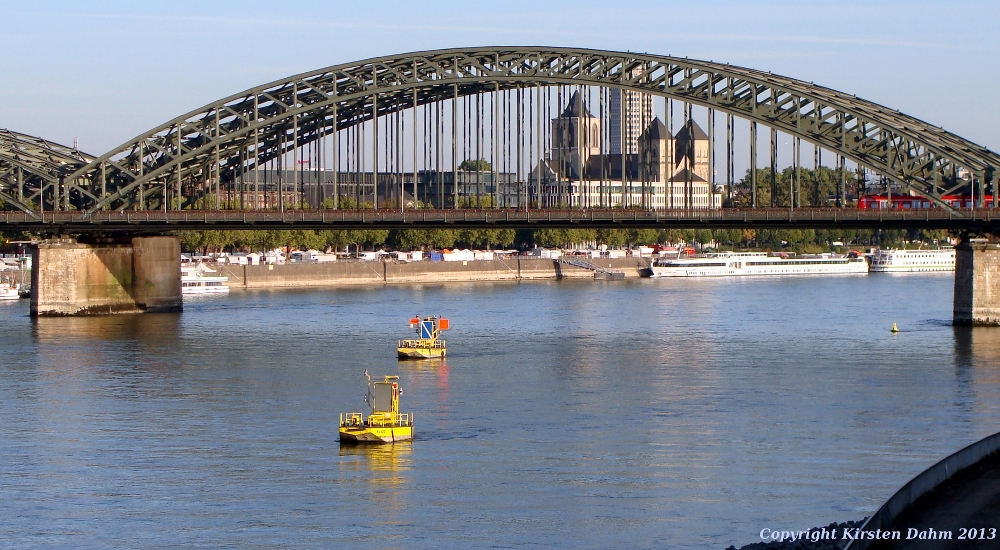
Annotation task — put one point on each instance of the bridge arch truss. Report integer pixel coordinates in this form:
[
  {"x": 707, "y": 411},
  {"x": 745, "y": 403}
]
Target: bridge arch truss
[
  {"x": 179, "y": 163},
  {"x": 29, "y": 164}
]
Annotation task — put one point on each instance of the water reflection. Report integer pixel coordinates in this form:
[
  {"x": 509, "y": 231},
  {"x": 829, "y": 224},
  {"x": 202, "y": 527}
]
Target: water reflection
[
  {"x": 977, "y": 367},
  {"x": 387, "y": 463},
  {"x": 980, "y": 345},
  {"x": 427, "y": 373},
  {"x": 152, "y": 330},
  {"x": 569, "y": 414},
  {"x": 121, "y": 348},
  {"x": 381, "y": 469}
]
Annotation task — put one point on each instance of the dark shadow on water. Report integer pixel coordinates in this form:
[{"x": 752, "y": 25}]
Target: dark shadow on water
[
  {"x": 154, "y": 329},
  {"x": 977, "y": 346}
]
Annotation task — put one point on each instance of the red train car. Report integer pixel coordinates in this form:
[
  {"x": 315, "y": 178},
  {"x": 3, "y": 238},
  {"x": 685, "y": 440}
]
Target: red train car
[{"x": 908, "y": 202}]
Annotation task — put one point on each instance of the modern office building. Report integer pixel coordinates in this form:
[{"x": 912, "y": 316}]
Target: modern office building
[{"x": 630, "y": 113}]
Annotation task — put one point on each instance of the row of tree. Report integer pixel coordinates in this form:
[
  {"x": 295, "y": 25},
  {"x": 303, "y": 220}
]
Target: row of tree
[
  {"x": 817, "y": 188},
  {"x": 803, "y": 240}
]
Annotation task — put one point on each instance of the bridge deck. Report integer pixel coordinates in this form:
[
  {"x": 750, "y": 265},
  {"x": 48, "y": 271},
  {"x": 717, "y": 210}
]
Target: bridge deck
[{"x": 987, "y": 220}]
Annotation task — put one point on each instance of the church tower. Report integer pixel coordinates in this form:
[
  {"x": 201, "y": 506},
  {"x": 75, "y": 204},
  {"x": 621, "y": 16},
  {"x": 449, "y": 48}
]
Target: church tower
[
  {"x": 576, "y": 136},
  {"x": 656, "y": 154},
  {"x": 692, "y": 150}
]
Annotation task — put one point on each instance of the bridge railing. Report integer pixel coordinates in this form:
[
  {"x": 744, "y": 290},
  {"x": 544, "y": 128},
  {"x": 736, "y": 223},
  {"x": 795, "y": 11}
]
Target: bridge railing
[{"x": 247, "y": 219}]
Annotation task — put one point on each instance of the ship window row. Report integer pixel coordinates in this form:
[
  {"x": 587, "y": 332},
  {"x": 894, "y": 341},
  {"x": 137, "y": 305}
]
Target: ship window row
[{"x": 799, "y": 262}]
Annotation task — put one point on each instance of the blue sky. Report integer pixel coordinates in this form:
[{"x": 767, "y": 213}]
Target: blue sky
[{"x": 104, "y": 72}]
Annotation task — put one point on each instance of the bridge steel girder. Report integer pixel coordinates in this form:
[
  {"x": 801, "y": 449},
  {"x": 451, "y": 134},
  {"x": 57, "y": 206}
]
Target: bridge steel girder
[
  {"x": 157, "y": 222},
  {"x": 30, "y": 165},
  {"x": 914, "y": 154}
]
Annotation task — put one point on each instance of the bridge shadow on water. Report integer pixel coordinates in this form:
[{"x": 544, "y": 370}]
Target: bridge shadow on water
[
  {"x": 111, "y": 346},
  {"x": 148, "y": 330},
  {"x": 977, "y": 346}
]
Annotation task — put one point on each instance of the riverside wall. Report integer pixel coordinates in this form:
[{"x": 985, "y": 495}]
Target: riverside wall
[{"x": 352, "y": 273}]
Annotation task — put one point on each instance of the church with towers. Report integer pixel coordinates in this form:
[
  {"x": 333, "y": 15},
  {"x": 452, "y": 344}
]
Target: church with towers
[{"x": 647, "y": 167}]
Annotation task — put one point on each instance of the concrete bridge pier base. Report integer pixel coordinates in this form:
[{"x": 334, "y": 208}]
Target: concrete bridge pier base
[
  {"x": 141, "y": 274},
  {"x": 977, "y": 284}
]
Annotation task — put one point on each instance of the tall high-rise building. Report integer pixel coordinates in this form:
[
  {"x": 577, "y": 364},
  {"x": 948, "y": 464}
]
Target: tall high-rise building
[{"x": 637, "y": 110}]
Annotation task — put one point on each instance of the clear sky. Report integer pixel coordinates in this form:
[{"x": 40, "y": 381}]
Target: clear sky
[{"x": 105, "y": 72}]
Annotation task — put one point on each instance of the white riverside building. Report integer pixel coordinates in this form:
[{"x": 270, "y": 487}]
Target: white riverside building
[{"x": 665, "y": 171}]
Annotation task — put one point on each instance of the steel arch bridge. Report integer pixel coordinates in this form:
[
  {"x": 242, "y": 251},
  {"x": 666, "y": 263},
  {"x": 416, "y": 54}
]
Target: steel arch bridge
[
  {"x": 29, "y": 164},
  {"x": 177, "y": 164}
]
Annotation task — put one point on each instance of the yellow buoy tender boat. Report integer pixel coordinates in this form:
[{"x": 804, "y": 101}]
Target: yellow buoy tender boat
[
  {"x": 429, "y": 345},
  {"x": 385, "y": 424}
]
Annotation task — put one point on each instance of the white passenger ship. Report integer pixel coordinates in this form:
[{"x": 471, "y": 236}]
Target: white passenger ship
[
  {"x": 9, "y": 291},
  {"x": 199, "y": 279},
  {"x": 908, "y": 261},
  {"x": 728, "y": 264}
]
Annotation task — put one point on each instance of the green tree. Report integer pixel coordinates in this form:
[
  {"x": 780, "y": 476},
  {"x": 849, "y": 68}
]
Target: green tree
[
  {"x": 441, "y": 238},
  {"x": 368, "y": 237},
  {"x": 486, "y": 238},
  {"x": 678, "y": 235},
  {"x": 642, "y": 236},
  {"x": 351, "y": 203},
  {"x": 564, "y": 237},
  {"x": 703, "y": 236},
  {"x": 410, "y": 239},
  {"x": 817, "y": 187},
  {"x": 612, "y": 237},
  {"x": 475, "y": 165},
  {"x": 727, "y": 236},
  {"x": 407, "y": 239},
  {"x": 306, "y": 239},
  {"x": 485, "y": 201}
]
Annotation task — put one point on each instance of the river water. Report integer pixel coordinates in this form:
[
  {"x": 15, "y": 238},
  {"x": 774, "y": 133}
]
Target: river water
[{"x": 642, "y": 414}]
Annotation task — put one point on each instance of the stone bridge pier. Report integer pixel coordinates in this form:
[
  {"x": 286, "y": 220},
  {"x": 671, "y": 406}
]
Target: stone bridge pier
[
  {"x": 977, "y": 283},
  {"x": 137, "y": 274}
]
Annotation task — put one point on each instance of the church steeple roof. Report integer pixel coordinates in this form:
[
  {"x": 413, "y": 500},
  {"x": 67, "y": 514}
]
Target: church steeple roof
[
  {"x": 685, "y": 141},
  {"x": 691, "y": 129},
  {"x": 575, "y": 108},
  {"x": 656, "y": 130},
  {"x": 686, "y": 174}
]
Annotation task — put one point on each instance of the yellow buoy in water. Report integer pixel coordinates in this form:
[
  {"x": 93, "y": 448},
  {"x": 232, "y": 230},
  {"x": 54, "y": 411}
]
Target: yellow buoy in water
[{"x": 894, "y": 329}]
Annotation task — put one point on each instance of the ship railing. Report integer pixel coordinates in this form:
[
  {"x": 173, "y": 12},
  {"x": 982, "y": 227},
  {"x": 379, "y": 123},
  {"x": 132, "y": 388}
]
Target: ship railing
[
  {"x": 422, "y": 343},
  {"x": 385, "y": 420},
  {"x": 376, "y": 419},
  {"x": 352, "y": 419}
]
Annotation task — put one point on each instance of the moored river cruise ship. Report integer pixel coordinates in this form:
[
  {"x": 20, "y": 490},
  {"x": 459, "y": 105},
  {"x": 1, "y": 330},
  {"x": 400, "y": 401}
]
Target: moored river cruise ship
[
  {"x": 732, "y": 264},
  {"x": 199, "y": 279},
  {"x": 910, "y": 261}
]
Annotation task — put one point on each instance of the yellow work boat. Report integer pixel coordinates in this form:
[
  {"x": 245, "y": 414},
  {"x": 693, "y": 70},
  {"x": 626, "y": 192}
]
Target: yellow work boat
[
  {"x": 429, "y": 345},
  {"x": 385, "y": 424}
]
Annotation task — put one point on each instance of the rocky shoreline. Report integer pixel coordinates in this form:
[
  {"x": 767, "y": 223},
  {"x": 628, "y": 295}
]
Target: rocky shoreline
[{"x": 805, "y": 542}]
